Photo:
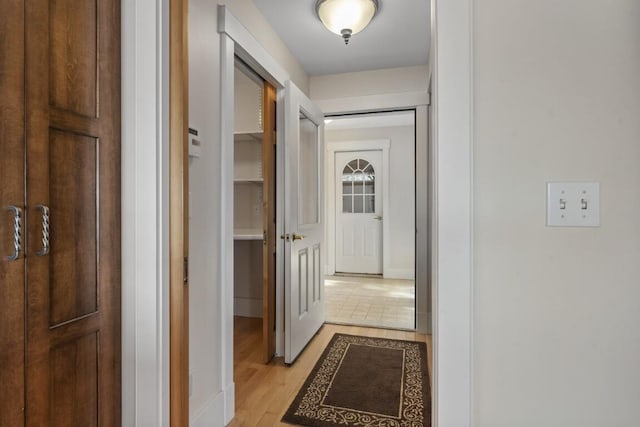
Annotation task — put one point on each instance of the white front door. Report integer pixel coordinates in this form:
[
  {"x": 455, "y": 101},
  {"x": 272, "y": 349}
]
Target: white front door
[
  {"x": 358, "y": 178},
  {"x": 304, "y": 166}
]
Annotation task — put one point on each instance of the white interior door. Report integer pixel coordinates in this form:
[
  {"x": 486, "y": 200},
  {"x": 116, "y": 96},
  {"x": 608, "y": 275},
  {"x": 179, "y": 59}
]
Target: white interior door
[
  {"x": 358, "y": 178},
  {"x": 303, "y": 224}
]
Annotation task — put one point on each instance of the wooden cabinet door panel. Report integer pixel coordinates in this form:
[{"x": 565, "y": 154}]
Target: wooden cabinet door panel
[
  {"x": 73, "y": 202},
  {"x": 73, "y": 168},
  {"x": 11, "y": 194}
]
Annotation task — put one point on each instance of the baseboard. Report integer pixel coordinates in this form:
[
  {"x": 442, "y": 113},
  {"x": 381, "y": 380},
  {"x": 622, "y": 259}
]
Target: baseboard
[
  {"x": 229, "y": 403},
  {"x": 400, "y": 273},
  {"x": 422, "y": 322},
  {"x": 211, "y": 414},
  {"x": 247, "y": 307}
]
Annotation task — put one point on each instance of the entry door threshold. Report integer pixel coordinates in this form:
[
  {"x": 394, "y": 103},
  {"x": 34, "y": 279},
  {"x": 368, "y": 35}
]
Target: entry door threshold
[
  {"x": 393, "y": 326},
  {"x": 372, "y": 276}
]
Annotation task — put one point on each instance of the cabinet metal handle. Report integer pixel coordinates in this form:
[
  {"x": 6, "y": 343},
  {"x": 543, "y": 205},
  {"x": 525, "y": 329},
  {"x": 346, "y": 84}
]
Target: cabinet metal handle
[
  {"x": 295, "y": 237},
  {"x": 17, "y": 232},
  {"x": 45, "y": 230}
]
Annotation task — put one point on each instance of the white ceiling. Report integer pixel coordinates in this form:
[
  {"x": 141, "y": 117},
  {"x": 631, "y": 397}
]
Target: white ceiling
[{"x": 398, "y": 36}]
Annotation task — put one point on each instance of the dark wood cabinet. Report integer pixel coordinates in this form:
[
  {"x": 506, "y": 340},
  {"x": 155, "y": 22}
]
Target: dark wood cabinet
[
  {"x": 12, "y": 274},
  {"x": 60, "y": 172}
]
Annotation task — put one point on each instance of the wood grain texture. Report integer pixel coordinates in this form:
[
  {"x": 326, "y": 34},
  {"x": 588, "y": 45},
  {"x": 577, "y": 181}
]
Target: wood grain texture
[
  {"x": 73, "y": 174},
  {"x": 178, "y": 214},
  {"x": 74, "y": 382},
  {"x": 73, "y": 166},
  {"x": 12, "y": 318},
  {"x": 74, "y": 56},
  {"x": 264, "y": 392},
  {"x": 269, "y": 205}
]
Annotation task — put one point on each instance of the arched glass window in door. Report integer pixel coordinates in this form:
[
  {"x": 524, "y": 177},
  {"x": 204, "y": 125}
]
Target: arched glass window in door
[{"x": 358, "y": 187}]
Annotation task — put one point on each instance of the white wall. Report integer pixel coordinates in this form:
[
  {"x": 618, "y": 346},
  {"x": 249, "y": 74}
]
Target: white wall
[
  {"x": 247, "y": 277},
  {"x": 249, "y": 15},
  {"x": 364, "y": 83},
  {"x": 401, "y": 215},
  {"x": 204, "y": 110},
  {"x": 557, "y": 97}
]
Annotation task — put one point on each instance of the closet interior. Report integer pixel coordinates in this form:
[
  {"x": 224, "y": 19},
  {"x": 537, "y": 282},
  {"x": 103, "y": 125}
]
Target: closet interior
[{"x": 254, "y": 205}]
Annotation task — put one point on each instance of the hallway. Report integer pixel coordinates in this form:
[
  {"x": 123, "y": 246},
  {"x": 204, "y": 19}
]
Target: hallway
[{"x": 264, "y": 392}]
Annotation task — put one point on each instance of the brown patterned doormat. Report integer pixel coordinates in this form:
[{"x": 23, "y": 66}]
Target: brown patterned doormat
[{"x": 366, "y": 382}]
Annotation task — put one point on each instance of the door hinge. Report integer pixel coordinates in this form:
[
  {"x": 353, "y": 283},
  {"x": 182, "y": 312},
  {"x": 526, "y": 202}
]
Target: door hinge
[{"x": 186, "y": 270}]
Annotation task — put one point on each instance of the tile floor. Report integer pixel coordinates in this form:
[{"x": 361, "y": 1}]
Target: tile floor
[{"x": 369, "y": 301}]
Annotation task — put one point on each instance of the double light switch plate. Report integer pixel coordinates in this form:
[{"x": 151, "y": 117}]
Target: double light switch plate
[{"x": 573, "y": 204}]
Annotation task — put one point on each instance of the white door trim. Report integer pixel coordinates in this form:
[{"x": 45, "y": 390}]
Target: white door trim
[
  {"x": 452, "y": 65},
  {"x": 145, "y": 207},
  {"x": 330, "y": 199},
  {"x": 236, "y": 40},
  {"x": 425, "y": 200},
  {"x": 372, "y": 103},
  {"x": 250, "y": 50}
]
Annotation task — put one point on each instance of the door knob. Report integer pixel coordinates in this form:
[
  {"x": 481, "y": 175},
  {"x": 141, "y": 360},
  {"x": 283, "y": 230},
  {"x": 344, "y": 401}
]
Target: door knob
[
  {"x": 378, "y": 217},
  {"x": 297, "y": 237}
]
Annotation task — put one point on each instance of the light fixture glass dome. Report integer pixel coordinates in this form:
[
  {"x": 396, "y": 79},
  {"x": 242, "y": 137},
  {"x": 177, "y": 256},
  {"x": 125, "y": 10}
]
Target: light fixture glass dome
[{"x": 346, "y": 17}]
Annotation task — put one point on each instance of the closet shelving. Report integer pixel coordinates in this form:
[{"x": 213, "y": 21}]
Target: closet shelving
[
  {"x": 248, "y": 180},
  {"x": 254, "y": 196}
]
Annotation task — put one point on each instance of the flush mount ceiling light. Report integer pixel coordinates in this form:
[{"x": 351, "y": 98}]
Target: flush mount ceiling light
[{"x": 346, "y": 17}]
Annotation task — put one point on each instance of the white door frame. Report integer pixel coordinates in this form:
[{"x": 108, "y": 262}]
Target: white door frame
[
  {"x": 236, "y": 40},
  {"x": 330, "y": 199},
  {"x": 145, "y": 213},
  {"x": 425, "y": 200},
  {"x": 451, "y": 239},
  {"x": 452, "y": 129},
  {"x": 145, "y": 232}
]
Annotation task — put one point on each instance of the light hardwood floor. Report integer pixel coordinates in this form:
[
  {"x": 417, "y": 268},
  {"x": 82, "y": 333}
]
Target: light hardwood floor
[{"x": 264, "y": 392}]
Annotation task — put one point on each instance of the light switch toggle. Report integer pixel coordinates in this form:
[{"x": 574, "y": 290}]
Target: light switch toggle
[{"x": 573, "y": 204}]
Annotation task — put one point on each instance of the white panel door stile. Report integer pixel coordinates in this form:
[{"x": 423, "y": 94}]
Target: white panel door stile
[{"x": 304, "y": 166}]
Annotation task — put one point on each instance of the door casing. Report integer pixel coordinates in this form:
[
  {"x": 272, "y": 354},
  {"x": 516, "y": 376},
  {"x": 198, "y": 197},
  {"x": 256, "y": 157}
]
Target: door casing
[
  {"x": 330, "y": 200},
  {"x": 376, "y": 219},
  {"x": 426, "y": 202},
  {"x": 237, "y": 41}
]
